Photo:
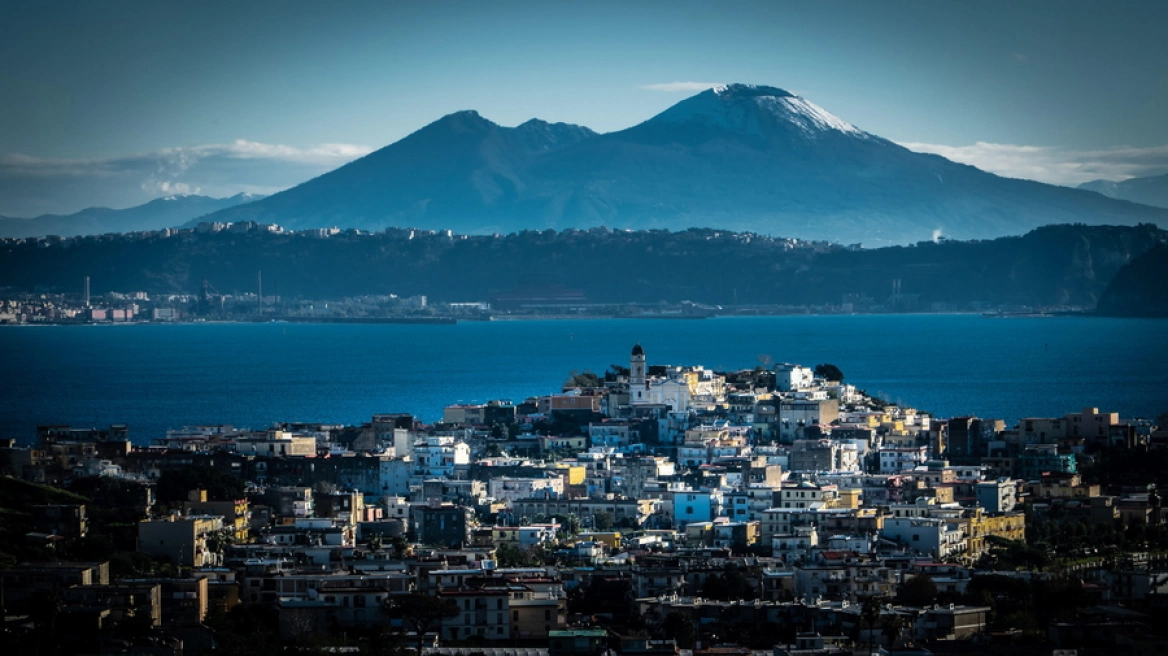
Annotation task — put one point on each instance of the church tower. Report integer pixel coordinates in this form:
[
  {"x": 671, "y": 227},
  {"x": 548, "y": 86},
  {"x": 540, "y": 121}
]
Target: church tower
[{"x": 638, "y": 381}]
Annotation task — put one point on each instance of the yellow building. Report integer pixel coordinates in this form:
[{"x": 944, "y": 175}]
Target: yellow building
[
  {"x": 236, "y": 513},
  {"x": 978, "y": 526},
  {"x": 610, "y": 539},
  {"x": 849, "y": 498}
]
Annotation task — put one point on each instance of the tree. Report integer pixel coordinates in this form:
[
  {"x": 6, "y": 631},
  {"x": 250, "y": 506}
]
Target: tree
[
  {"x": 680, "y": 627},
  {"x": 829, "y": 372},
  {"x": 584, "y": 380},
  {"x": 627, "y": 522},
  {"x": 603, "y": 521},
  {"x": 729, "y": 585},
  {"x": 917, "y": 591},
  {"x": 421, "y": 612},
  {"x": 569, "y": 522}
]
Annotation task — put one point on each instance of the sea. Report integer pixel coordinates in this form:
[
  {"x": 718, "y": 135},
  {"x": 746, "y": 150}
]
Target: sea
[{"x": 155, "y": 377}]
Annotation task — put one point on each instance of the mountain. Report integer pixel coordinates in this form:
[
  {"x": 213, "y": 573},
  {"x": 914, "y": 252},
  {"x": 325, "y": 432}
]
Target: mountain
[
  {"x": 459, "y": 166},
  {"x": 159, "y": 213},
  {"x": 1064, "y": 265},
  {"x": 1138, "y": 289},
  {"x": 1149, "y": 191},
  {"x": 739, "y": 157}
]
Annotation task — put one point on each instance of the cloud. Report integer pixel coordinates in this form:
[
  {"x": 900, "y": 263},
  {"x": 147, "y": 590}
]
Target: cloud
[
  {"x": 30, "y": 186},
  {"x": 1062, "y": 166},
  {"x": 674, "y": 87}
]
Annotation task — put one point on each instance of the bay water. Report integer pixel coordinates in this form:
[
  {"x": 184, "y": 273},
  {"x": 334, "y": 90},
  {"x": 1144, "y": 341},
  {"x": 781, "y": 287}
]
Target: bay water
[{"x": 154, "y": 377}]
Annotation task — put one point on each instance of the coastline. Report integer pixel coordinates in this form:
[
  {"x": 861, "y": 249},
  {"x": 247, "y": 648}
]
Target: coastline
[{"x": 454, "y": 319}]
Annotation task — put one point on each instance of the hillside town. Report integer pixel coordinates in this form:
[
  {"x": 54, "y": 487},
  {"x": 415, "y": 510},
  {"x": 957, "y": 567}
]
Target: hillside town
[{"x": 651, "y": 510}]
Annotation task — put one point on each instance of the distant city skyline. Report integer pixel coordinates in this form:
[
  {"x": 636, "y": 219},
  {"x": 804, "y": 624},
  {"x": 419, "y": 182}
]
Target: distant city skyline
[{"x": 117, "y": 103}]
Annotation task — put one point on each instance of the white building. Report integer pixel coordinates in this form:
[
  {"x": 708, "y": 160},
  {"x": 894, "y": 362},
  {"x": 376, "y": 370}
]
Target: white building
[
  {"x": 791, "y": 377},
  {"x": 897, "y": 459},
  {"x": 437, "y": 456},
  {"x": 938, "y": 538},
  {"x": 511, "y": 489}
]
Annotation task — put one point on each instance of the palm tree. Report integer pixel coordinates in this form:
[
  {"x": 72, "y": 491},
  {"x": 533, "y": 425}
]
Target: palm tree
[
  {"x": 892, "y": 626},
  {"x": 869, "y": 616}
]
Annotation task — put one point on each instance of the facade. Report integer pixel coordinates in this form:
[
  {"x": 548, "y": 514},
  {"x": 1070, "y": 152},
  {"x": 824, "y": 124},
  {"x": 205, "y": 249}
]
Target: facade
[
  {"x": 796, "y": 415},
  {"x": 443, "y": 525},
  {"x": 276, "y": 444},
  {"x": 439, "y": 456},
  {"x": 793, "y": 377},
  {"x": 511, "y": 489},
  {"x": 184, "y": 541},
  {"x": 938, "y": 538},
  {"x": 998, "y": 496}
]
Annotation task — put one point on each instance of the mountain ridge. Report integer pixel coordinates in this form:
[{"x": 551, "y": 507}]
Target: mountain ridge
[
  {"x": 1149, "y": 190},
  {"x": 738, "y": 157},
  {"x": 164, "y": 212}
]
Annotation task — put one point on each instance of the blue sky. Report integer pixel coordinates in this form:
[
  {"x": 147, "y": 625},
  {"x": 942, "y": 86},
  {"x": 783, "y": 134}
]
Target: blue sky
[{"x": 114, "y": 103}]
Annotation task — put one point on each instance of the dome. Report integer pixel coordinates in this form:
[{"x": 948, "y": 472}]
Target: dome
[{"x": 637, "y": 350}]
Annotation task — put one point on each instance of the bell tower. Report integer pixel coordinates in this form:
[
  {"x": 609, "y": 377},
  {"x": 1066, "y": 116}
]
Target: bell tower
[{"x": 638, "y": 381}]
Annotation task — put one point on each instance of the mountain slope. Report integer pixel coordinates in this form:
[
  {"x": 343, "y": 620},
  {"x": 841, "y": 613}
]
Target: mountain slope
[
  {"x": 1149, "y": 191},
  {"x": 739, "y": 157},
  {"x": 159, "y": 213}
]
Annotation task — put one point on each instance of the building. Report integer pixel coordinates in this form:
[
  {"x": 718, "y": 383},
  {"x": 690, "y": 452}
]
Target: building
[
  {"x": 512, "y": 489},
  {"x": 442, "y": 525},
  {"x": 796, "y": 415},
  {"x": 825, "y": 456},
  {"x": 65, "y": 520},
  {"x": 638, "y": 377},
  {"x": 184, "y": 541},
  {"x": 437, "y": 456},
  {"x": 236, "y": 513},
  {"x": 276, "y": 443},
  {"x": 939, "y": 538},
  {"x": 580, "y": 642},
  {"x": 998, "y": 496},
  {"x": 484, "y": 613},
  {"x": 793, "y": 377},
  {"x": 1039, "y": 459}
]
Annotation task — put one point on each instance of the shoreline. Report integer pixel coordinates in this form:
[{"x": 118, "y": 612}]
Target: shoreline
[{"x": 494, "y": 318}]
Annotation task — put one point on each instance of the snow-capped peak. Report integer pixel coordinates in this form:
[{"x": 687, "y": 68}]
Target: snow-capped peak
[
  {"x": 750, "y": 108},
  {"x": 807, "y": 115},
  {"x": 750, "y": 91}
]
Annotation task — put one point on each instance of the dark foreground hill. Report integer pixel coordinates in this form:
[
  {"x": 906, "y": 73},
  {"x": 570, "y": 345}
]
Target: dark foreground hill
[
  {"x": 1065, "y": 264},
  {"x": 740, "y": 157},
  {"x": 1140, "y": 288}
]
